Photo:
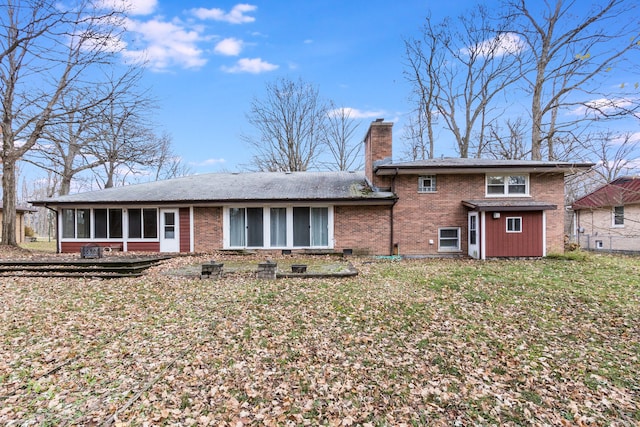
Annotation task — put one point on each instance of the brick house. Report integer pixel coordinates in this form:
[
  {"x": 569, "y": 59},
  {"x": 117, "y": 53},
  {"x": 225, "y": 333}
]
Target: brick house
[
  {"x": 609, "y": 217},
  {"x": 439, "y": 207}
]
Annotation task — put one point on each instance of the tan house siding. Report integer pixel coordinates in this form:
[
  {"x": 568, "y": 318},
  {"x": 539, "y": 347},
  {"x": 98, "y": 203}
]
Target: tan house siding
[
  {"x": 207, "y": 221},
  {"x": 364, "y": 229},
  {"x": 20, "y": 238},
  {"x": 597, "y": 225}
]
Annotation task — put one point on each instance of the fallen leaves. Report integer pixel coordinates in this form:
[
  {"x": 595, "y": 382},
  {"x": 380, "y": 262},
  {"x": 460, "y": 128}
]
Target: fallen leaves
[{"x": 428, "y": 342}]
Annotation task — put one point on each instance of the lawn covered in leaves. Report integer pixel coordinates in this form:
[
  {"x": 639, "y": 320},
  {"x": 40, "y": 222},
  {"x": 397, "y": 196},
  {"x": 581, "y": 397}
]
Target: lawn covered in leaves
[{"x": 419, "y": 342}]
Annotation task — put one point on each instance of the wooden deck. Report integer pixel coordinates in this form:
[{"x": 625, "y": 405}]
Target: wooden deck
[{"x": 107, "y": 268}]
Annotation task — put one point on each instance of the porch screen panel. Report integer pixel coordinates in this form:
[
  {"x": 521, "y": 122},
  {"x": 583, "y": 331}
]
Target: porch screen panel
[
  {"x": 68, "y": 223},
  {"x": 115, "y": 223},
  {"x": 135, "y": 223},
  {"x": 255, "y": 227},
  {"x": 278, "y": 227},
  {"x": 301, "y": 226},
  {"x": 83, "y": 222},
  {"x": 100, "y": 223},
  {"x": 236, "y": 227},
  {"x": 150, "y": 223},
  {"x": 319, "y": 227}
]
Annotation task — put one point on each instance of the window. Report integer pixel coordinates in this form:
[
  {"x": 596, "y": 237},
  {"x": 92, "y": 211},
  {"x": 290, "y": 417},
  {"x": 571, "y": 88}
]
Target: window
[
  {"x": 507, "y": 185},
  {"x": 76, "y": 223},
  {"x": 427, "y": 184},
  {"x": 68, "y": 223},
  {"x": 107, "y": 223},
  {"x": 514, "y": 225},
  {"x": 143, "y": 223},
  {"x": 618, "y": 216},
  {"x": 278, "y": 227},
  {"x": 449, "y": 239},
  {"x": 599, "y": 244}
]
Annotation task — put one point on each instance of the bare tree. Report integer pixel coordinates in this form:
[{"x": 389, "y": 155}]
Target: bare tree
[
  {"x": 465, "y": 65},
  {"x": 425, "y": 57},
  {"x": 509, "y": 142},
  {"x": 290, "y": 122},
  {"x": 338, "y": 139},
  {"x": 567, "y": 50},
  {"x": 166, "y": 164},
  {"x": 45, "y": 49},
  {"x": 124, "y": 141}
]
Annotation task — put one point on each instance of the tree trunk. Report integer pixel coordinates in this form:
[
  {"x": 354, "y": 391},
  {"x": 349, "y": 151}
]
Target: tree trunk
[{"x": 9, "y": 202}]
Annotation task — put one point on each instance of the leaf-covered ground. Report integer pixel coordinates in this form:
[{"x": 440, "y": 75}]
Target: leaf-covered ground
[{"x": 422, "y": 342}]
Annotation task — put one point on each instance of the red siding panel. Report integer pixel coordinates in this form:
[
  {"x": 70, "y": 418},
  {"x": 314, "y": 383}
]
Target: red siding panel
[
  {"x": 144, "y": 246},
  {"x": 69, "y": 247},
  {"x": 499, "y": 243},
  {"x": 185, "y": 235}
]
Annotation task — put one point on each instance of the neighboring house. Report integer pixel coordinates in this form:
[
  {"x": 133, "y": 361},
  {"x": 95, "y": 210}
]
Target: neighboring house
[
  {"x": 20, "y": 212},
  {"x": 443, "y": 207},
  {"x": 609, "y": 217}
]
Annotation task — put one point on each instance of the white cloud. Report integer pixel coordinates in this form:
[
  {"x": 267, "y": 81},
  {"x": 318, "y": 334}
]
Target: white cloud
[
  {"x": 355, "y": 113},
  {"x": 502, "y": 44},
  {"x": 253, "y": 66},
  {"x": 235, "y": 16},
  {"x": 167, "y": 44},
  {"x": 229, "y": 47},
  {"x": 602, "y": 105},
  {"x": 209, "y": 162},
  {"x": 131, "y": 7}
]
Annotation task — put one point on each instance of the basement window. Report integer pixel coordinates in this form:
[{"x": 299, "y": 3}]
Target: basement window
[{"x": 449, "y": 239}]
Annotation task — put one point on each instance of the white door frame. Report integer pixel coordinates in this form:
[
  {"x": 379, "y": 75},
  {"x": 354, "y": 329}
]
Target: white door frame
[
  {"x": 169, "y": 233},
  {"x": 473, "y": 234}
]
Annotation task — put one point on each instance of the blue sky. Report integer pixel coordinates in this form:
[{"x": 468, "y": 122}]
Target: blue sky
[{"x": 207, "y": 60}]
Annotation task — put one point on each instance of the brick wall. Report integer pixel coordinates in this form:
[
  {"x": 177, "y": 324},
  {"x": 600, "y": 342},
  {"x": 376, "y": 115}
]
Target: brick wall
[
  {"x": 364, "y": 229},
  {"x": 550, "y": 188},
  {"x": 208, "y": 229},
  {"x": 418, "y": 216},
  {"x": 377, "y": 147}
]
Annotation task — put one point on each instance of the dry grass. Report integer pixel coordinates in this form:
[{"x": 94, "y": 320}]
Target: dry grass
[{"x": 417, "y": 342}]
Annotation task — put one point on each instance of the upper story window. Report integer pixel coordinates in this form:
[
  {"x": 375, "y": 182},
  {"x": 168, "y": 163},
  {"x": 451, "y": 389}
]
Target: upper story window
[
  {"x": 618, "y": 216},
  {"x": 427, "y": 184},
  {"x": 508, "y": 185}
]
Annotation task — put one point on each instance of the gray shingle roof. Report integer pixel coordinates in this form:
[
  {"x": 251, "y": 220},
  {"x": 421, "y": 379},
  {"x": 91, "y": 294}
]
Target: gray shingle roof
[
  {"x": 466, "y": 165},
  {"x": 240, "y": 187}
]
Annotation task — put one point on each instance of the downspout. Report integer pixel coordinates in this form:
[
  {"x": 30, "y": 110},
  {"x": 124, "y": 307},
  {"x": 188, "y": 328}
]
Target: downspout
[
  {"x": 391, "y": 228},
  {"x": 58, "y": 243}
]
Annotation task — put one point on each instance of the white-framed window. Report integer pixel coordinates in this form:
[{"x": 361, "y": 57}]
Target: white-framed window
[
  {"x": 427, "y": 184},
  {"x": 599, "y": 244},
  {"x": 618, "y": 216},
  {"x": 449, "y": 239},
  {"x": 278, "y": 227},
  {"x": 108, "y": 223},
  {"x": 76, "y": 223},
  {"x": 143, "y": 223},
  {"x": 514, "y": 224},
  {"x": 507, "y": 185}
]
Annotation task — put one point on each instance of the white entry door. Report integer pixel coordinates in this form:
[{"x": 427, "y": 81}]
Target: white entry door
[
  {"x": 169, "y": 231},
  {"x": 474, "y": 236}
]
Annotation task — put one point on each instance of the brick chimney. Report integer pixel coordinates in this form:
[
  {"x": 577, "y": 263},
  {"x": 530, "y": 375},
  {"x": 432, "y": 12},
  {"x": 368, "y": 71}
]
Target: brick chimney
[{"x": 377, "y": 150}]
